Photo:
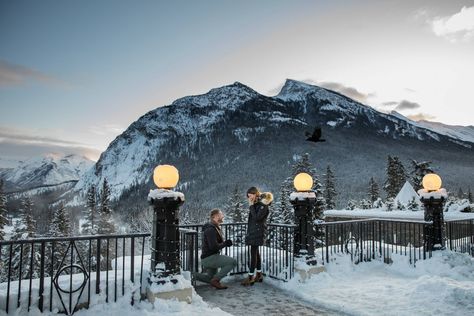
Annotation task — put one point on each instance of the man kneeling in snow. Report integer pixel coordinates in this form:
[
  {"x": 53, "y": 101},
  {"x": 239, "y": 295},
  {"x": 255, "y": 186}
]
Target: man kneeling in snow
[{"x": 211, "y": 259}]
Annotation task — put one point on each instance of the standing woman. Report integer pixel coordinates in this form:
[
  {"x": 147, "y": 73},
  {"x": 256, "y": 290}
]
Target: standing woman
[{"x": 256, "y": 231}]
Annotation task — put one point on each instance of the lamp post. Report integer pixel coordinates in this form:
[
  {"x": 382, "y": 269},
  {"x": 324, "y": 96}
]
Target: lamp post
[
  {"x": 303, "y": 201},
  {"x": 165, "y": 261},
  {"x": 433, "y": 198}
]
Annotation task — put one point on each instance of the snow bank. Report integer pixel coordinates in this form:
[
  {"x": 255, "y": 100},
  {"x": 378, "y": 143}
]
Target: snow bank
[
  {"x": 442, "y": 285},
  {"x": 143, "y": 308}
]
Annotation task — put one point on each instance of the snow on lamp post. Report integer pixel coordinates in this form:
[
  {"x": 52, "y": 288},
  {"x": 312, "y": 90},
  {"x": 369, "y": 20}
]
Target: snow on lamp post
[
  {"x": 165, "y": 261},
  {"x": 433, "y": 198},
  {"x": 303, "y": 201}
]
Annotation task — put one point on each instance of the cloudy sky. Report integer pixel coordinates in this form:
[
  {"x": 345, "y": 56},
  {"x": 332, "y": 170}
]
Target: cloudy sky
[{"x": 75, "y": 74}]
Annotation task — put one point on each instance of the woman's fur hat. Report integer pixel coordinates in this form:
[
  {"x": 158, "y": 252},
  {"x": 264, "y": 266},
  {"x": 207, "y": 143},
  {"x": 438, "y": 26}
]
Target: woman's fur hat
[{"x": 266, "y": 198}]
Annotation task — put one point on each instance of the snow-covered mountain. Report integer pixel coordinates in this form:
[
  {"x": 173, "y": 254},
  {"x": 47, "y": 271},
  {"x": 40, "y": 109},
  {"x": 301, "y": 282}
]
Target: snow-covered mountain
[
  {"x": 464, "y": 133},
  {"x": 48, "y": 170},
  {"x": 233, "y": 136}
]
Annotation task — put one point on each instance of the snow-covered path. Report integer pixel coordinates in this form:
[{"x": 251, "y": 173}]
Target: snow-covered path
[{"x": 260, "y": 299}]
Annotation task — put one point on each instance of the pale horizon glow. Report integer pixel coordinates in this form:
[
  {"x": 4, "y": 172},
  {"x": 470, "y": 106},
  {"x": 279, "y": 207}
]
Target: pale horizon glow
[{"x": 73, "y": 76}]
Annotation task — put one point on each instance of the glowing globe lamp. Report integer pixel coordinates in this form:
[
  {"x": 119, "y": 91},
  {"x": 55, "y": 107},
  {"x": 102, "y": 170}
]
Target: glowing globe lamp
[
  {"x": 165, "y": 176},
  {"x": 431, "y": 182},
  {"x": 303, "y": 182}
]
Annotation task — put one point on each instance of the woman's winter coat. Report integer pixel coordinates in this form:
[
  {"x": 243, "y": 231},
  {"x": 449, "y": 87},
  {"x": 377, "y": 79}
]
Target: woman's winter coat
[{"x": 257, "y": 223}]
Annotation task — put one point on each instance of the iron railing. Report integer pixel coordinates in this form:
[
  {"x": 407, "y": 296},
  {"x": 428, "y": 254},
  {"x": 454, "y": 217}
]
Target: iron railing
[
  {"x": 277, "y": 254},
  {"x": 460, "y": 235},
  {"x": 365, "y": 240},
  {"x": 63, "y": 273}
]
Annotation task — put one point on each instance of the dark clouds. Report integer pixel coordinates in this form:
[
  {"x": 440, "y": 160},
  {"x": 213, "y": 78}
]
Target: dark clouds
[
  {"x": 13, "y": 75},
  {"x": 407, "y": 105},
  {"x": 389, "y": 103},
  {"x": 350, "y": 92}
]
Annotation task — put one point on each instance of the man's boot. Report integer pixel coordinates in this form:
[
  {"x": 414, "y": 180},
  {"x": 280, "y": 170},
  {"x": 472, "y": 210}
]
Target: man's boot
[
  {"x": 259, "y": 277},
  {"x": 215, "y": 283}
]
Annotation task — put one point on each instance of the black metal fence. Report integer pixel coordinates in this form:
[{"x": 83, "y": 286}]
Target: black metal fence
[
  {"x": 277, "y": 253},
  {"x": 365, "y": 240},
  {"x": 460, "y": 235},
  {"x": 63, "y": 273}
]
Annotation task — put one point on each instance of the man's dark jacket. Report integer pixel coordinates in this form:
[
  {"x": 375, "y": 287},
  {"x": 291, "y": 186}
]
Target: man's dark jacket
[{"x": 212, "y": 241}]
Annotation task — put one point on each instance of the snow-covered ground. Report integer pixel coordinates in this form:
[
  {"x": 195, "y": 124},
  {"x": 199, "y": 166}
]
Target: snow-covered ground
[
  {"x": 98, "y": 305},
  {"x": 142, "y": 308},
  {"x": 442, "y": 285}
]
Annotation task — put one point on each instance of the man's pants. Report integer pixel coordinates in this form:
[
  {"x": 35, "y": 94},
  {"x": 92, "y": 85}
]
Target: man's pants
[{"x": 212, "y": 263}]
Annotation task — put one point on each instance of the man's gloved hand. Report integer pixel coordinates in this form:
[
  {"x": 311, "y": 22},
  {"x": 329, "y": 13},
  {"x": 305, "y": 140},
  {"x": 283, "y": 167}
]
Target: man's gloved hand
[{"x": 228, "y": 243}]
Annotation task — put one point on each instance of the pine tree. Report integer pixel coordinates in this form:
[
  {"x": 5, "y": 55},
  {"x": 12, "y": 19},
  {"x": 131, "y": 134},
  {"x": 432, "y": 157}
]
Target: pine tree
[
  {"x": 89, "y": 227},
  {"x": 400, "y": 206},
  {"x": 285, "y": 212},
  {"x": 460, "y": 193},
  {"x": 29, "y": 224},
  {"x": 186, "y": 218},
  {"x": 390, "y": 183},
  {"x": 396, "y": 176},
  {"x": 235, "y": 209},
  {"x": 25, "y": 228},
  {"x": 378, "y": 203},
  {"x": 390, "y": 204},
  {"x": 374, "y": 192},
  {"x": 401, "y": 174},
  {"x": 351, "y": 205},
  {"x": 413, "y": 205},
  {"x": 106, "y": 224},
  {"x": 330, "y": 190},
  {"x": 3, "y": 212},
  {"x": 469, "y": 195},
  {"x": 60, "y": 227},
  {"x": 365, "y": 204},
  {"x": 318, "y": 210},
  {"x": 237, "y": 213},
  {"x": 419, "y": 170}
]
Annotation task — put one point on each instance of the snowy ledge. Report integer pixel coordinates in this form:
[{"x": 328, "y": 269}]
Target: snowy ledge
[
  {"x": 441, "y": 193},
  {"x": 168, "y": 286},
  {"x": 158, "y": 194},
  {"x": 302, "y": 195},
  {"x": 396, "y": 214}
]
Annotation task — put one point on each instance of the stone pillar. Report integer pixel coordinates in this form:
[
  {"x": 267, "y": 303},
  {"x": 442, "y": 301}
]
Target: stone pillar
[
  {"x": 433, "y": 203},
  {"x": 303, "y": 203},
  {"x": 165, "y": 255}
]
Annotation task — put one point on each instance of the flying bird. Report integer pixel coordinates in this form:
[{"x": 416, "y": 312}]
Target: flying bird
[{"x": 315, "y": 137}]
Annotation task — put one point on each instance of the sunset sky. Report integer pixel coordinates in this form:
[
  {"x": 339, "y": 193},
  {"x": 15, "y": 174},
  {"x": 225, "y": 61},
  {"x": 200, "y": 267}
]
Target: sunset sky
[{"x": 75, "y": 74}]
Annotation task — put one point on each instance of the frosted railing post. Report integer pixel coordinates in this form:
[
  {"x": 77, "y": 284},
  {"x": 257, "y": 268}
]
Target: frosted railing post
[
  {"x": 434, "y": 230},
  {"x": 165, "y": 236},
  {"x": 303, "y": 204},
  {"x": 433, "y": 198}
]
